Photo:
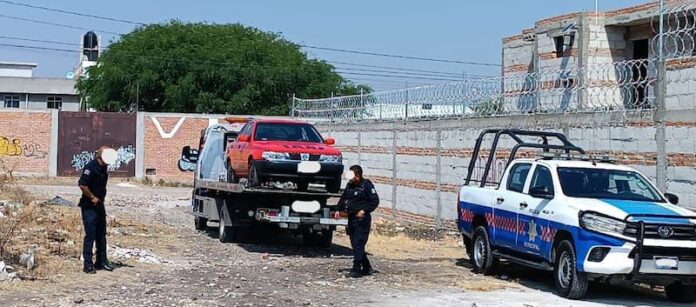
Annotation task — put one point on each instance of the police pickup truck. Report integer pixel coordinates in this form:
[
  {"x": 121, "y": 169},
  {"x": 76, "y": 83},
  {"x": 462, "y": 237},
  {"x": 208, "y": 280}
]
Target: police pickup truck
[{"x": 582, "y": 217}]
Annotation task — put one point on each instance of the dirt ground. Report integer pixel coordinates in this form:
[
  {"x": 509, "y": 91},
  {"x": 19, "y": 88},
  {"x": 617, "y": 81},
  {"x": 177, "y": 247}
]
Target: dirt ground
[{"x": 193, "y": 268}]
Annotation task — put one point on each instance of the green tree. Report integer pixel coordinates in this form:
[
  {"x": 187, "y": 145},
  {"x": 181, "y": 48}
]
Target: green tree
[{"x": 207, "y": 68}]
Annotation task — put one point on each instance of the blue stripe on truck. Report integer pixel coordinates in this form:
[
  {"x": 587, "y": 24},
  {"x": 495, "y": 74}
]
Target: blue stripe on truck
[{"x": 646, "y": 207}]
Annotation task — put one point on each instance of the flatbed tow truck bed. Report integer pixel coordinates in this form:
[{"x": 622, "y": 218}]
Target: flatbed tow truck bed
[{"x": 239, "y": 209}]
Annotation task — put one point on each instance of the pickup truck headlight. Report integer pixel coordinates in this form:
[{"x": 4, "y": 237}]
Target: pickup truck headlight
[
  {"x": 331, "y": 158},
  {"x": 272, "y": 155},
  {"x": 603, "y": 224}
]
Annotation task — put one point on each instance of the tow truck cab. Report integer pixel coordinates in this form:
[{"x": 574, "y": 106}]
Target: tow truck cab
[{"x": 584, "y": 218}]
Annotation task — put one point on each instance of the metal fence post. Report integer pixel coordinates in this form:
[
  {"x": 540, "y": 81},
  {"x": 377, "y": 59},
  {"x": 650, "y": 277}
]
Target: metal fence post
[
  {"x": 660, "y": 109},
  {"x": 292, "y": 108},
  {"x": 407, "y": 102},
  {"x": 394, "y": 171},
  {"x": 362, "y": 108},
  {"x": 438, "y": 178}
]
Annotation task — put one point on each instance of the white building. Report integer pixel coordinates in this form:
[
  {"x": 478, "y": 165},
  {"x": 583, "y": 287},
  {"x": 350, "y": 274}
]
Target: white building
[{"x": 19, "y": 89}]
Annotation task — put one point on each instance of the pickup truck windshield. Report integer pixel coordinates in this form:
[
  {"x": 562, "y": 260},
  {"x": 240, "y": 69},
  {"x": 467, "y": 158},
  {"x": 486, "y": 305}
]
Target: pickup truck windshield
[
  {"x": 287, "y": 132},
  {"x": 604, "y": 183}
]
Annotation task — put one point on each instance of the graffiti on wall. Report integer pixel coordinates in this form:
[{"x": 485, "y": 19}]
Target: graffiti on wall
[
  {"x": 125, "y": 156},
  {"x": 15, "y": 148}
]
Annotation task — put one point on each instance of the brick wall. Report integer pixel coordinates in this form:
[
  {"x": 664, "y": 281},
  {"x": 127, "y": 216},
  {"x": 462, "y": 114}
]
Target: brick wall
[
  {"x": 162, "y": 148},
  {"x": 25, "y": 141}
]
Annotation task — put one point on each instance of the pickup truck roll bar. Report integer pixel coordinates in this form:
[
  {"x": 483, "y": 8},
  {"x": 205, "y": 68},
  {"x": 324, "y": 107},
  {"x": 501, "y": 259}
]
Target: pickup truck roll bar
[{"x": 515, "y": 135}]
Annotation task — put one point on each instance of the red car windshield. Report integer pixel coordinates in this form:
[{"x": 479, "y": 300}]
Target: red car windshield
[{"x": 287, "y": 132}]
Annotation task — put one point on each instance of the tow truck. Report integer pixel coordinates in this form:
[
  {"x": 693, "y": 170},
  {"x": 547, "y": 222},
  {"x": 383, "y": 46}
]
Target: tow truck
[
  {"x": 583, "y": 217},
  {"x": 240, "y": 209}
]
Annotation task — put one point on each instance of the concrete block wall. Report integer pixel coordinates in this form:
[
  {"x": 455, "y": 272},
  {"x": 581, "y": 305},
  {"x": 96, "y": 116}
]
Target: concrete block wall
[{"x": 427, "y": 176}]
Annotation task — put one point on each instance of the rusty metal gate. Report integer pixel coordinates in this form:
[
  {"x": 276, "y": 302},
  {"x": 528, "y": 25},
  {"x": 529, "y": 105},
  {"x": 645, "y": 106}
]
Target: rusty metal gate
[{"x": 80, "y": 134}]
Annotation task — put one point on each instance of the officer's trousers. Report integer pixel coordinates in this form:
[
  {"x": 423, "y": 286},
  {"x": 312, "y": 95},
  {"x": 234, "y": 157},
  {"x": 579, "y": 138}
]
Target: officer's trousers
[
  {"x": 359, "y": 232},
  {"x": 94, "y": 221}
]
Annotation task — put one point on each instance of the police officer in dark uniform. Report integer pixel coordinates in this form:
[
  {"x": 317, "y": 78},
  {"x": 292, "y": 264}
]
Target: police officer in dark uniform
[
  {"x": 93, "y": 185},
  {"x": 359, "y": 199}
]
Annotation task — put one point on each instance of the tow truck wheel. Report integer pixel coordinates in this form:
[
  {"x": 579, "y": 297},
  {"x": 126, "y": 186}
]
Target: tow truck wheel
[
  {"x": 333, "y": 186},
  {"x": 570, "y": 283},
  {"x": 679, "y": 293},
  {"x": 482, "y": 260},
  {"x": 253, "y": 178},
  {"x": 321, "y": 239},
  {"x": 227, "y": 233},
  {"x": 200, "y": 223},
  {"x": 231, "y": 177}
]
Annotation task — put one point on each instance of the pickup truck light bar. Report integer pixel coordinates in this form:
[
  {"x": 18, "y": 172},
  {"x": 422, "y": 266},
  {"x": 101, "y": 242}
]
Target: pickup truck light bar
[
  {"x": 583, "y": 157},
  {"x": 515, "y": 134}
]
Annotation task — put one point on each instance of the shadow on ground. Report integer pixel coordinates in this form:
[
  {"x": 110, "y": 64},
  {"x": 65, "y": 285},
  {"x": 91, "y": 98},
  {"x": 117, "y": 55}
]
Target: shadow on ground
[
  {"x": 610, "y": 293},
  {"x": 271, "y": 241}
]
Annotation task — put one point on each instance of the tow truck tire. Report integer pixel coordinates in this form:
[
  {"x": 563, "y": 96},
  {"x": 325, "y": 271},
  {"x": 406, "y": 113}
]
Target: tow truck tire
[
  {"x": 570, "y": 283},
  {"x": 323, "y": 239},
  {"x": 227, "y": 233},
  {"x": 333, "y": 186},
  {"x": 231, "y": 177},
  {"x": 482, "y": 260},
  {"x": 200, "y": 223},
  {"x": 253, "y": 178},
  {"x": 680, "y": 293}
]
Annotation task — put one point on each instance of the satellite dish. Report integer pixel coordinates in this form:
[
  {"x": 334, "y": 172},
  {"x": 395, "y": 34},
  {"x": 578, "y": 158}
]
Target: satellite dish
[{"x": 69, "y": 75}]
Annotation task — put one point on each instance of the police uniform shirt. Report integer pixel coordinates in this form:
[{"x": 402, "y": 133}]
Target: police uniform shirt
[
  {"x": 361, "y": 197},
  {"x": 95, "y": 177}
]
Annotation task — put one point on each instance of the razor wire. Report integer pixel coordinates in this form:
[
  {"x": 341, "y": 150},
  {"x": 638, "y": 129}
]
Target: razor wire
[
  {"x": 679, "y": 33},
  {"x": 625, "y": 85}
]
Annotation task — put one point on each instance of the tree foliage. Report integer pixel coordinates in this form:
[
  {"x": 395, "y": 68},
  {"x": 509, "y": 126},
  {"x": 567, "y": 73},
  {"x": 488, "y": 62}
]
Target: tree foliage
[{"x": 207, "y": 68}]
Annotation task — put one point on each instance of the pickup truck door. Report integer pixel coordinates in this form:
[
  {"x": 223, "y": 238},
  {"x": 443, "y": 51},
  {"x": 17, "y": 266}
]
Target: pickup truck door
[
  {"x": 506, "y": 204},
  {"x": 533, "y": 214}
]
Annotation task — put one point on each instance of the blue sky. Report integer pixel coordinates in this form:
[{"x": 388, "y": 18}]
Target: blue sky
[{"x": 447, "y": 29}]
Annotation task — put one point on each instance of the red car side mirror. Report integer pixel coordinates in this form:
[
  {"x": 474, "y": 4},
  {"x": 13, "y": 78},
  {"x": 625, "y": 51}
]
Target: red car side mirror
[
  {"x": 330, "y": 141},
  {"x": 244, "y": 138}
]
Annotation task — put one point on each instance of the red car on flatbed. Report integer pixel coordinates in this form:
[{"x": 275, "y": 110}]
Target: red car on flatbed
[{"x": 284, "y": 150}]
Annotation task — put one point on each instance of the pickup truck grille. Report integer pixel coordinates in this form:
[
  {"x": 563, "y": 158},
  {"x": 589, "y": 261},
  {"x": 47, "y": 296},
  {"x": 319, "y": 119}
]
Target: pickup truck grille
[
  {"x": 679, "y": 232},
  {"x": 683, "y": 254}
]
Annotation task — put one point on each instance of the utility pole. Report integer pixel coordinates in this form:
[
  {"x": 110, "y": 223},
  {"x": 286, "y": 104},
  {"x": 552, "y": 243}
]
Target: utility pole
[{"x": 660, "y": 129}]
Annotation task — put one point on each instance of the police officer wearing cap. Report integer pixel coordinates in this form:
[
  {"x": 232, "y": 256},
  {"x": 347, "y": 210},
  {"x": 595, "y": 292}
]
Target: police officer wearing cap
[
  {"x": 359, "y": 199},
  {"x": 93, "y": 185}
]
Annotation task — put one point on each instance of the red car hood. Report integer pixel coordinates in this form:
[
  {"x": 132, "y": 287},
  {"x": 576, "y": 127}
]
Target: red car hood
[{"x": 298, "y": 147}]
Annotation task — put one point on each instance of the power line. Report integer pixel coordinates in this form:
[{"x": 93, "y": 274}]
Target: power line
[
  {"x": 38, "y": 41},
  {"x": 397, "y": 68},
  {"x": 395, "y": 76},
  {"x": 396, "y": 72},
  {"x": 71, "y": 12},
  {"x": 399, "y": 56},
  {"x": 57, "y": 24}
]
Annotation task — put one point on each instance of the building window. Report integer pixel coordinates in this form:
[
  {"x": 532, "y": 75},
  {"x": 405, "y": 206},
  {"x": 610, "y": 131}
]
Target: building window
[
  {"x": 53, "y": 102},
  {"x": 560, "y": 46},
  {"x": 11, "y": 101}
]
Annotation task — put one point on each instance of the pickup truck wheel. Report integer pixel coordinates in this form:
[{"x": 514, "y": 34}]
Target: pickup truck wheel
[
  {"x": 467, "y": 246},
  {"x": 482, "y": 256},
  {"x": 679, "y": 293},
  {"x": 227, "y": 233},
  {"x": 570, "y": 283},
  {"x": 200, "y": 223}
]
